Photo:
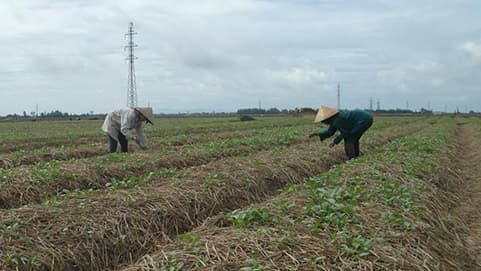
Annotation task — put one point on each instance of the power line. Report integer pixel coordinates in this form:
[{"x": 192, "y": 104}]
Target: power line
[{"x": 339, "y": 96}]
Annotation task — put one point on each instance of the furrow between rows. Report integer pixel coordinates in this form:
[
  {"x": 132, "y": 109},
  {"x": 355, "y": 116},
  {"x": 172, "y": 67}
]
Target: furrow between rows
[
  {"x": 111, "y": 227},
  {"x": 26, "y": 185},
  {"x": 97, "y": 148},
  {"x": 368, "y": 214},
  {"x": 160, "y": 130}
]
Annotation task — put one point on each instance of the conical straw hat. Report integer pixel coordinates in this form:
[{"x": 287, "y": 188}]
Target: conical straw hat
[
  {"x": 324, "y": 113},
  {"x": 147, "y": 113}
]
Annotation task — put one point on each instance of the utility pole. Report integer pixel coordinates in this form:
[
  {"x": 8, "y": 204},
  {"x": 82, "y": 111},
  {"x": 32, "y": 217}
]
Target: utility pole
[
  {"x": 407, "y": 105},
  {"x": 339, "y": 96},
  {"x": 378, "y": 104},
  {"x": 370, "y": 104},
  {"x": 131, "y": 84}
]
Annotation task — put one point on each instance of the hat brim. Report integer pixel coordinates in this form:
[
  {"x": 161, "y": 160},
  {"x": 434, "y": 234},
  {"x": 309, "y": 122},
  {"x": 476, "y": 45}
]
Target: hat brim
[
  {"x": 325, "y": 113},
  {"x": 145, "y": 117}
]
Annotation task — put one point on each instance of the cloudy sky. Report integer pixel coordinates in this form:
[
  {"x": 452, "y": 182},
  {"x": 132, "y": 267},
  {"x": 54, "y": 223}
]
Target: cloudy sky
[{"x": 221, "y": 55}]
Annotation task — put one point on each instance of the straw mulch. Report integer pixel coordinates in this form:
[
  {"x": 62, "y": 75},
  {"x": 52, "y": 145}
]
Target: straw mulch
[
  {"x": 439, "y": 231},
  {"x": 100, "y": 231}
]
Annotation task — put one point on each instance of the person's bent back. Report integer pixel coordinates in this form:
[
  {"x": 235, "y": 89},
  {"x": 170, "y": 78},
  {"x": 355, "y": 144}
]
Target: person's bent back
[
  {"x": 350, "y": 123},
  {"x": 126, "y": 124}
]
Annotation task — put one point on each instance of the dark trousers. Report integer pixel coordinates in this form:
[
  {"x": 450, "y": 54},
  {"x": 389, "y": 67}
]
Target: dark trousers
[
  {"x": 124, "y": 144},
  {"x": 351, "y": 147}
]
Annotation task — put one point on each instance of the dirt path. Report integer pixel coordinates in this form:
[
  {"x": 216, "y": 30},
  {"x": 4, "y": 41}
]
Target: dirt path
[{"x": 469, "y": 191}]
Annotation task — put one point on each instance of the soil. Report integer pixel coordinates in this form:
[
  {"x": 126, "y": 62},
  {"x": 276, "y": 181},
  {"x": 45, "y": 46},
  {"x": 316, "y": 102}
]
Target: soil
[{"x": 469, "y": 189}]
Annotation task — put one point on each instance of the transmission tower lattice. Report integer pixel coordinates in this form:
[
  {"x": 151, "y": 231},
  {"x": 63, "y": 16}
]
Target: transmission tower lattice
[{"x": 131, "y": 84}]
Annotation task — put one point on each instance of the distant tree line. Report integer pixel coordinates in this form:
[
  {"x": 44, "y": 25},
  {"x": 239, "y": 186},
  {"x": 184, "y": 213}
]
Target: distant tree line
[
  {"x": 399, "y": 111},
  {"x": 55, "y": 114},
  {"x": 308, "y": 110},
  {"x": 260, "y": 111}
]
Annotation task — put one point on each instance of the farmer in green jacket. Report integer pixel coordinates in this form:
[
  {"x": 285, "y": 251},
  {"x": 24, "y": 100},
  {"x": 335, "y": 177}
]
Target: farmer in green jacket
[{"x": 351, "y": 124}]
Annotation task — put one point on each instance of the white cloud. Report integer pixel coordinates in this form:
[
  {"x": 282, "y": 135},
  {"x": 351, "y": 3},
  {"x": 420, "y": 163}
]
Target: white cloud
[
  {"x": 222, "y": 55},
  {"x": 299, "y": 76},
  {"x": 410, "y": 77},
  {"x": 472, "y": 48}
]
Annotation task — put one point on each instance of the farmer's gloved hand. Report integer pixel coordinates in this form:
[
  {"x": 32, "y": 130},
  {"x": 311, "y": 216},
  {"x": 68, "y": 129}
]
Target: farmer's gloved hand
[{"x": 332, "y": 144}]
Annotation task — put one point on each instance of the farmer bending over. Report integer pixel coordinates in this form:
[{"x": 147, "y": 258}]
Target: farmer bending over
[
  {"x": 120, "y": 125},
  {"x": 351, "y": 123}
]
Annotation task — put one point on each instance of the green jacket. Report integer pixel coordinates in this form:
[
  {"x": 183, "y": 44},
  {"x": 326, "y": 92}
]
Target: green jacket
[{"x": 351, "y": 123}]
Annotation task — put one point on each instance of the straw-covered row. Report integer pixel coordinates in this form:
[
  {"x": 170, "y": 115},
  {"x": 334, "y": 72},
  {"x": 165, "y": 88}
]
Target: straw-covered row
[
  {"x": 94, "y": 148},
  {"x": 384, "y": 211},
  {"x": 35, "y": 135},
  {"x": 30, "y": 184},
  {"x": 96, "y": 231}
]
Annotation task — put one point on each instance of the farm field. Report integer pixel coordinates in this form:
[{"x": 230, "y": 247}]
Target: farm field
[{"x": 220, "y": 194}]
